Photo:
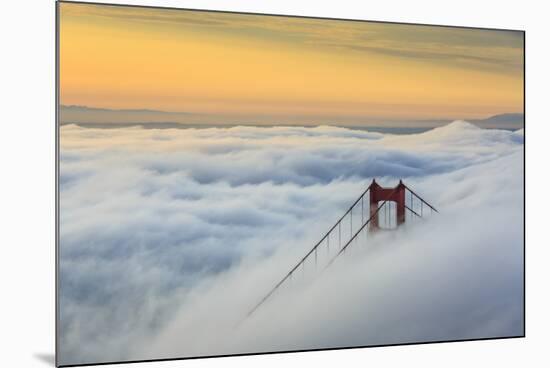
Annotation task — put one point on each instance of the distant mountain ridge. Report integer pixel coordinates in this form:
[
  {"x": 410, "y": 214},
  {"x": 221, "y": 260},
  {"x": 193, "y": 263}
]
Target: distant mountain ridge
[
  {"x": 104, "y": 117},
  {"x": 80, "y": 108},
  {"x": 508, "y": 121},
  {"x": 96, "y": 115},
  {"x": 506, "y": 117}
]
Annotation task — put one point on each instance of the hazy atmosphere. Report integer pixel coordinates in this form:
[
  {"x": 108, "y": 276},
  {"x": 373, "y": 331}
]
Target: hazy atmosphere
[{"x": 203, "y": 154}]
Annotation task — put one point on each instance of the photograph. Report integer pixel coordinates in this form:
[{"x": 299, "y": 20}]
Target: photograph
[{"x": 236, "y": 183}]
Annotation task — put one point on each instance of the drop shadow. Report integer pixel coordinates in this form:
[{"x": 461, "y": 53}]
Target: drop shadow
[{"x": 46, "y": 358}]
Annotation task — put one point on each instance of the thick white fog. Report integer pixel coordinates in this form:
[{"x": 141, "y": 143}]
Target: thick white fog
[{"x": 169, "y": 237}]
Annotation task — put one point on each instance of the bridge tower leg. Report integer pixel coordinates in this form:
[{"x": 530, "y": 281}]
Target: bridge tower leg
[
  {"x": 399, "y": 198},
  {"x": 374, "y": 194}
]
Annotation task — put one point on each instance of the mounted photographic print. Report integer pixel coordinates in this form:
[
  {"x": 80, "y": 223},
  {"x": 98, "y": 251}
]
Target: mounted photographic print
[{"x": 233, "y": 183}]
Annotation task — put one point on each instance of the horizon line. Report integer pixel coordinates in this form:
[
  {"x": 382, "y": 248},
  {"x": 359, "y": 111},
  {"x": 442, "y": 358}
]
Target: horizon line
[{"x": 313, "y": 117}]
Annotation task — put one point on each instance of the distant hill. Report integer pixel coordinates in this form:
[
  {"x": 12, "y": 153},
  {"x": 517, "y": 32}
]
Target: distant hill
[
  {"x": 94, "y": 115},
  {"x": 504, "y": 121},
  {"x": 512, "y": 117}
]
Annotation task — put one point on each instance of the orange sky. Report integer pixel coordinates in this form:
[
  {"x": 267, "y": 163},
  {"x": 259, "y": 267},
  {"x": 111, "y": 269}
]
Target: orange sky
[{"x": 276, "y": 67}]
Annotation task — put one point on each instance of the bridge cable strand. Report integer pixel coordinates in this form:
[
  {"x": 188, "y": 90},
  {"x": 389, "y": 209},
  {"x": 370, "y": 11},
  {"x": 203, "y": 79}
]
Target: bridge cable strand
[
  {"x": 422, "y": 201},
  {"x": 338, "y": 223},
  {"x": 413, "y": 212}
]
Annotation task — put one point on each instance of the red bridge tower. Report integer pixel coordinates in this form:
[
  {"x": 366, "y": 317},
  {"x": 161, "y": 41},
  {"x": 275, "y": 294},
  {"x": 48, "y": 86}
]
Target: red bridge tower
[{"x": 379, "y": 194}]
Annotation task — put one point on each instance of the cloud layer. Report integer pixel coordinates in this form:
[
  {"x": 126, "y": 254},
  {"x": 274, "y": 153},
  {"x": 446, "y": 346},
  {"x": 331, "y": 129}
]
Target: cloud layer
[{"x": 169, "y": 236}]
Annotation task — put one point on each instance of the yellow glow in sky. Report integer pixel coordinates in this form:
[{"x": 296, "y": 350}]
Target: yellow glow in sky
[{"x": 272, "y": 68}]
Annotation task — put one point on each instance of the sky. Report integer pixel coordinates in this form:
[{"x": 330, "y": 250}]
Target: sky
[{"x": 219, "y": 67}]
